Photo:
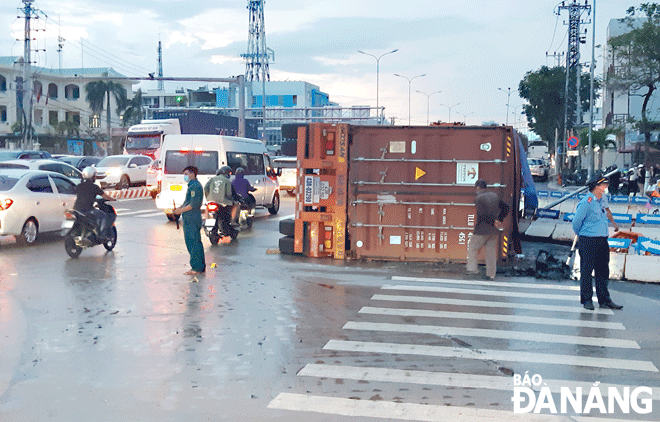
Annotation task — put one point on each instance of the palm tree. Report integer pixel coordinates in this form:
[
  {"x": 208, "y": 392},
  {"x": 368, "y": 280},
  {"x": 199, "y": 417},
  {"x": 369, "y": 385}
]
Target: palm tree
[
  {"x": 97, "y": 92},
  {"x": 133, "y": 111}
]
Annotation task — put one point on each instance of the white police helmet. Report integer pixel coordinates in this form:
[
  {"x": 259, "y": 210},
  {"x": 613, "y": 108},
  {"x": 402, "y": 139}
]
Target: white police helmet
[{"x": 88, "y": 173}]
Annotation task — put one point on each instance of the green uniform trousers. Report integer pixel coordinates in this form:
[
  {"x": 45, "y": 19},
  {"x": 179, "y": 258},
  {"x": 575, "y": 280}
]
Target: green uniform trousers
[{"x": 193, "y": 238}]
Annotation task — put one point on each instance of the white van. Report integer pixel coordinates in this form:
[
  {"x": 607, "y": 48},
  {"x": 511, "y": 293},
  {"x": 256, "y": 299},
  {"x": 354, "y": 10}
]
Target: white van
[{"x": 208, "y": 153}]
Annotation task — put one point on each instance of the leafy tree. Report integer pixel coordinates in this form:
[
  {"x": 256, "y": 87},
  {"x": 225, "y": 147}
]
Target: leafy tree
[
  {"x": 544, "y": 90},
  {"x": 97, "y": 92},
  {"x": 133, "y": 112},
  {"x": 636, "y": 58},
  {"x": 598, "y": 139}
]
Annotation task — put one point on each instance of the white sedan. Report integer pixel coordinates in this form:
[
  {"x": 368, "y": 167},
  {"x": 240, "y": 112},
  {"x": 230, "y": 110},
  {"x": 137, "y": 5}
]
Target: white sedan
[
  {"x": 33, "y": 202},
  {"x": 121, "y": 171}
]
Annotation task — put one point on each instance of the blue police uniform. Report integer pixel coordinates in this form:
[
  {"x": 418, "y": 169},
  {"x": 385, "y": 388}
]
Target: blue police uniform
[
  {"x": 590, "y": 224},
  {"x": 192, "y": 225}
]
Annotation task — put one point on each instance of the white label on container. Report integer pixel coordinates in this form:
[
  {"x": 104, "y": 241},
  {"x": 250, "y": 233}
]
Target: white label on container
[
  {"x": 395, "y": 240},
  {"x": 317, "y": 190},
  {"x": 413, "y": 147},
  {"x": 467, "y": 173},
  {"x": 398, "y": 147},
  {"x": 326, "y": 190},
  {"x": 309, "y": 189}
]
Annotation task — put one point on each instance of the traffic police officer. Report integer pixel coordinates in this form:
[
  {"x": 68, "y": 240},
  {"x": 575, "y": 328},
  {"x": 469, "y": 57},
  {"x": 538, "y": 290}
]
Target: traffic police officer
[
  {"x": 192, "y": 221},
  {"x": 590, "y": 225}
]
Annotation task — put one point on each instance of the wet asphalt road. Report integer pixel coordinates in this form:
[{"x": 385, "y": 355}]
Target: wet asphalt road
[{"x": 124, "y": 336}]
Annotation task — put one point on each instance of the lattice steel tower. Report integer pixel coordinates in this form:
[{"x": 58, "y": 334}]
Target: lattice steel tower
[
  {"x": 573, "y": 68},
  {"x": 256, "y": 58}
]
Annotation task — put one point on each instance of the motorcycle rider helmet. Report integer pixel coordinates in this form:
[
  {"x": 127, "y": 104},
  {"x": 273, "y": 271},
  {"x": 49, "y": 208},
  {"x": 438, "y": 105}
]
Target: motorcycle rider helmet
[
  {"x": 240, "y": 171},
  {"x": 88, "y": 173},
  {"x": 226, "y": 170}
]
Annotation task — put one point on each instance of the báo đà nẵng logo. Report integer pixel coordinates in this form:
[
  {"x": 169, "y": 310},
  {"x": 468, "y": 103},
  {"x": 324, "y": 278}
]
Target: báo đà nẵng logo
[{"x": 597, "y": 398}]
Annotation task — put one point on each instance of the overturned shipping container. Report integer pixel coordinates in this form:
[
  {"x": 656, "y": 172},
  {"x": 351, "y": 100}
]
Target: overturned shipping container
[
  {"x": 411, "y": 189},
  {"x": 400, "y": 193}
]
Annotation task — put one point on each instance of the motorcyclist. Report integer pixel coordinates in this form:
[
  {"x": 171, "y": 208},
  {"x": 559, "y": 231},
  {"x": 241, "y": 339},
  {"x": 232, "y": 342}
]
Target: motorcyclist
[
  {"x": 86, "y": 193},
  {"x": 219, "y": 190},
  {"x": 243, "y": 187}
]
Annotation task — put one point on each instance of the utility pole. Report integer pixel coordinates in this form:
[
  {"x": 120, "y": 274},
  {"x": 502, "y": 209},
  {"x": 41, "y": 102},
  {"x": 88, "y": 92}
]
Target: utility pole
[
  {"x": 556, "y": 56},
  {"x": 161, "y": 84},
  {"x": 24, "y": 83},
  {"x": 573, "y": 69}
]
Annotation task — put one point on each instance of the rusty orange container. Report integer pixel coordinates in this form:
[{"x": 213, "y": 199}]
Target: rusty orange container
[
  {"x": 411, "y": 189},
  {"x": 322, "y": 171}
]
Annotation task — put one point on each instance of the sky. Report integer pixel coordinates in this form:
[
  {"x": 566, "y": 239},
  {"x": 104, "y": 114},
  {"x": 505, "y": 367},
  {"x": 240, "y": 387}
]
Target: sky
[{"x": 470, "y": 51}]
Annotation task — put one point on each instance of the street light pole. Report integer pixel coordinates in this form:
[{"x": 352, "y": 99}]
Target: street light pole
[
  {"x": 508, "y": 98},
  {"x": 465, "y": 115},
  {"x": 428, "y": 97},
  {"x": 450, "y": 107},
  {"x": 409, "y": 83},
  {"x": 515, "y": 115},
  {"x": 378, "y": 76}
]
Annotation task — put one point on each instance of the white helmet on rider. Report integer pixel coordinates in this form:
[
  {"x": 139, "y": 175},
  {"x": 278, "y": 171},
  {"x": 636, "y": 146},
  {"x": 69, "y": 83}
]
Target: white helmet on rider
[{"x": 88, "y": 173}]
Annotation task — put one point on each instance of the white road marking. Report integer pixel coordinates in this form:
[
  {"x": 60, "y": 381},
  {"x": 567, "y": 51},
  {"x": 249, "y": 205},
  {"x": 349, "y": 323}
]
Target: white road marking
[
  {"x": 124, "y": 214},
  {"x": 486, "y": 354},
  {"x": 387, "y": 410},
  {"x": 489, "y": 304},
  {"x": 451, "y": 379},
  {"x": 488, "y": 283},
  {"x": 283, "y": 217},
  {"x": 489, "y": 333},
  {"x": 478, "y": 292},
  {"x": 154, "y": 214},
  {"x": 492, "y": 317}
]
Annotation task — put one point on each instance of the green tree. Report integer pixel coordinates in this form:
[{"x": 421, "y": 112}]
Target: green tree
[
  {"x": 636, "y": 58},
  {"x": 97, "y": 93},
  {"x": 133, "y": 113},
  {"x": 598, "y": 139},
  {"x": 544, "y": 91}
]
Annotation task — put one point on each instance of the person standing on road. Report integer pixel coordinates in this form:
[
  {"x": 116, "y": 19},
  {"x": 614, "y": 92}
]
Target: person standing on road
[
  {"x": 191, "y": 214},
  {"x": 615, "y": 180},
  {"x": 490, "y": 213},
  {"x": 641, "y": 180},
  {"x": 590, "y": 225}
]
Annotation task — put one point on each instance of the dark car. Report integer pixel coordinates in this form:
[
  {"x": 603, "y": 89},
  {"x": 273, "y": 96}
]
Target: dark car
[
  {"x": 80, "y": 162},
  {"x": 14, "y": 154}
]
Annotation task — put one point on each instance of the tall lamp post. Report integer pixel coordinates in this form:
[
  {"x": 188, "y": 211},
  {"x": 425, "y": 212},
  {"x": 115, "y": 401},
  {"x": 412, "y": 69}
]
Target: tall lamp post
[
  {"x": 515, "y": 115},
  {"x": 450, "y": 107},
  {"x": 409, "y": 83},
  {"x": 377, "y": 75},
  {"x": 428, "y": 97},
  {"x": 508, "y": 98},
  {"x": 465, "y": 115}
]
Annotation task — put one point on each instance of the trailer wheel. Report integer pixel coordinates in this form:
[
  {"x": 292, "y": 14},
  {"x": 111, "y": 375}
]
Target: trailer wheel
[
  {"x": 286, "y": 245},
  {"x": 288, "y": 227}
]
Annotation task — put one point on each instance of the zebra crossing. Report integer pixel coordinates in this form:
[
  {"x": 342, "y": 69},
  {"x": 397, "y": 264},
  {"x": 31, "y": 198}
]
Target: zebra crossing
[
  {"x": 126, "y": 212},
  {"x": 431, "y": 349}
]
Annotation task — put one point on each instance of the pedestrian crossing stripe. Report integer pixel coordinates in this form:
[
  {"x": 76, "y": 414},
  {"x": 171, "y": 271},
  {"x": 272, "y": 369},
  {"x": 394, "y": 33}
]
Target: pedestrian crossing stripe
[
  {"x": 488, "y": 355},
  {"x": 491, "y": 317},
  {"x": 449, "y": 379},
  {"x": 489, "y": 283},
  {"x": 153, "y": 214},
  {"x": 489, "y": 304},
  {"x": 124, "y": 214},
  {"x": 437, "y": 289},
  {"x": 412, "y": 411},
  {"x": 490, "y": 333}
]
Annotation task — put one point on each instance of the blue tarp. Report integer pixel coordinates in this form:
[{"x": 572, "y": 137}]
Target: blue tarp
[{"x": 529, "y": 190}]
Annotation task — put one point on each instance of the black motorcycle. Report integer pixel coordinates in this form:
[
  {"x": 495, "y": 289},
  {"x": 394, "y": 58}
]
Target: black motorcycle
[
  {"x": 83, "y": 229},
  {"x": 218, "y": 223}
]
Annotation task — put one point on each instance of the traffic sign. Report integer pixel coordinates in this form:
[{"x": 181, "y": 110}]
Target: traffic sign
[
  {"x": 648, "y": 245},
  {"x": 647, "y": 218},
  {"x": 621, "y": 243},
  {"x": 573, "y": 142}
]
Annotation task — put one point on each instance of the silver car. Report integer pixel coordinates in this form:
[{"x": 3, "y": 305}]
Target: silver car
[
  {"x": 33, "y": 202},
  {"x": 538, "y": 168},
  {"x": 122, "y": 171}
]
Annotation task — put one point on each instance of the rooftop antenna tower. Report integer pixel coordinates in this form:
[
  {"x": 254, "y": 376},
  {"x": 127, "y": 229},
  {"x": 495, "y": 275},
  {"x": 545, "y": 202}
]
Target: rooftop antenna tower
[{"x": 256, "y": 58}]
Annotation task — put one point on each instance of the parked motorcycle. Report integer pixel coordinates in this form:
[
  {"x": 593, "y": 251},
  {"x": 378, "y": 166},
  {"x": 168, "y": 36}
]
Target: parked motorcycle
[
  {"x": 218, "y": 223},
  {"x": 83, "y": 230}
]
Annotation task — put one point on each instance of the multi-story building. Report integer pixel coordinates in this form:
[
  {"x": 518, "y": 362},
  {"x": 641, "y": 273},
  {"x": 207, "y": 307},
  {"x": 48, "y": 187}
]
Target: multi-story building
[{"x": 54, "y": 95}]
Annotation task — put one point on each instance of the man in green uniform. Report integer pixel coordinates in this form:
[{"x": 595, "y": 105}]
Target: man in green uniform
[{"x": 192, "y": 221}]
